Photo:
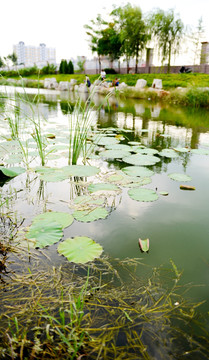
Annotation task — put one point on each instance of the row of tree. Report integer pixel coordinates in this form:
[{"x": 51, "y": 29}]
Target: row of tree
[
  {"x": 66, "y": 67},
  {"x": 128, "y": 33}
]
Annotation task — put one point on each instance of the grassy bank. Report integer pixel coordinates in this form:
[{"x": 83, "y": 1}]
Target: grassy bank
[{"x": 170, "y": 81}]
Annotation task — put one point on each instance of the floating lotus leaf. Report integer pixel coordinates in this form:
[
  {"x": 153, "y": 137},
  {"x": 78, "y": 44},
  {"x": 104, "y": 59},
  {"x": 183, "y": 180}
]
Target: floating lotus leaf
[
  {"x": 141, "y": 194},
  {"x": 134, "y": 143},
  {"x": 61, "y": 218},
  {"x": 143, "y": 160},
  {"x": 102, "y": 187},
  {"x": 137, "y": 171},
  {"x": 44, "y": 233},
  {"x": 139, "y": 182},
  {"x": 88, "y": 200},
  {"x": 119, "y": 147},
  {"x": 200, "y": 151},
  {"x": 105, "y": 140},
  {"x": 54, "y": 176},
  {"x": 50, "y": 136},
  {"x": 80, "y": 250},
  {"x": 169, "y": 153},
  {"x": 115, "y": 178},
  {"x": 182, "y": 150},
  {"x": 114, "y": 154},
  {"x": 179, "y": 177},
  {"x": 90, "y": 214},
  {"x": 12, "y": 171},
  {"x": 81, "y": 170},
  {"x": 146, "y": 151}
]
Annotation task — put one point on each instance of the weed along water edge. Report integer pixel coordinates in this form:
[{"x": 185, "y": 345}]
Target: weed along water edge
[{"x": 103, "y": 250}]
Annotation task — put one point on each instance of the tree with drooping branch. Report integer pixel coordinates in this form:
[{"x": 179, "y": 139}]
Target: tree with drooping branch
[{"x": 168, "y": 30}]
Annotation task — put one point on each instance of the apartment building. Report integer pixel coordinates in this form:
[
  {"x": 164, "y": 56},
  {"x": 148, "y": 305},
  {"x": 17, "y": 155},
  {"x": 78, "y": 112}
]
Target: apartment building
[{"x": 34, "y": 55}]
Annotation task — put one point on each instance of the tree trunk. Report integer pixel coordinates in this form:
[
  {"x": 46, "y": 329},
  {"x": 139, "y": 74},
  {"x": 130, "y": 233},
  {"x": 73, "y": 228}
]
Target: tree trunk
[
  {"x": 127, "y": 62},
  {"x": 136, "y": 66},
  {"x": 169, "y": 58},
  {"x": 119, "y": 66}
]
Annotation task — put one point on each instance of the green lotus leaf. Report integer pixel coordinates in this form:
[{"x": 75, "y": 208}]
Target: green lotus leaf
[
  {"x": 54, "y": 176},
  {"x": 102, "y": 187},
  {"x": 115, "y": 178},
  {"x": 87, "y": 200},
  {"x": 137, "y": 171},
  {"x": 179, "y": 177},
  {"x": 61, "y": 218},
  {"x": 182, "y": 150},
  {"x": 114, "y": 154},
  {"x": 12, "y": 171},
  {"x": 141, "y": 194},
  {"x": 80, "y": 170},
  {"x": 90, "y": 214},
  {"x": 200, "y": 151},
  {"x": 119, "y": 147},
  {"x": 139, "y": 182},
  {"x": 143, "y": 160},
  {"x": 146, "y": 151},
  {"x": 80, "y": 249},
  {"x": 44, "y": 233},
  {"x": 169, "y": 153},
  {"x": 105, "y": 140},
  {"x": 137, "y": 143}
]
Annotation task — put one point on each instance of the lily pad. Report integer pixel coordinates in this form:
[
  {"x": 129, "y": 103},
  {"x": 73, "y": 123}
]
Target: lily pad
[
  {"x": 141, "y": 194},
  {"x": 179, "y": 177},
  {"x": 12, "y": 171},
  {"x": 119, "y": 147},
  {"x": 45, "y": 233},
  {"x": 182, "y": 150},
  {"x": 91, "y": 214},
  {"x": 115, "y": 154},
  {"x": 102, "y": 187},
  {"x": 143, "y": 160},
  {"x": 137, "y": 171},
  {"x": 80, "y": 249},
  {"x": 146, "y": 151},
  {"x": 80, "y": 170},
  {"x": 169, "y": 153},
  {"x": 105, "y": 140},
  {"x": 63, "y": 219}
]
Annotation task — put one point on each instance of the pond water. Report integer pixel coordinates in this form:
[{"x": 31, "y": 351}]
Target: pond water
[{"x": 177, "y": 223}]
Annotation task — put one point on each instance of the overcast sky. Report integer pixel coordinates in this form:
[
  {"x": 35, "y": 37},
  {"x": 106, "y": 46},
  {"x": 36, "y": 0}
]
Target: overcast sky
[{"x": 59, "y": 24}]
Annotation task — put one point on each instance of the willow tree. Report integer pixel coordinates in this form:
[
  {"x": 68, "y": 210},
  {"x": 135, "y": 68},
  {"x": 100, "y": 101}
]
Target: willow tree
[
  {"x": 168, "y": 31},
  {"x": 133, "y": 31}
]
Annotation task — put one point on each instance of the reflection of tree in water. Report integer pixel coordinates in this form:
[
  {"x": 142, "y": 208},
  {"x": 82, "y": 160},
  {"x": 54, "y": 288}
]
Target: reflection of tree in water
[{"x": 66, "y": 107}]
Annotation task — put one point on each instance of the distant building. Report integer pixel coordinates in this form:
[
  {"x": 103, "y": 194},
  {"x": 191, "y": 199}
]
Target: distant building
[
  {"x": 34, "y": 55},
  {"x": 204, "y": 58}
]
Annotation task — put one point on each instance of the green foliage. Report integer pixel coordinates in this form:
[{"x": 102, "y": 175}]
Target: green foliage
[
  {"x": 49, "y": 69},
  {"x": 168, "y": 31},
  {"x": 110, "y": 42},
  {"x": 1, "y": 62},
  {"x": 110, "y": 71},
  {"x": 70, "y": 67},
  {"x": 13, "y": 58},
  {"x": 133, "y": 31}
]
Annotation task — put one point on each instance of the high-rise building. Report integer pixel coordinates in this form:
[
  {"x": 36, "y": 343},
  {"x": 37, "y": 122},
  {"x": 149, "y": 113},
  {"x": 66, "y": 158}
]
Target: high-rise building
[{"x": 34, "y": 55}]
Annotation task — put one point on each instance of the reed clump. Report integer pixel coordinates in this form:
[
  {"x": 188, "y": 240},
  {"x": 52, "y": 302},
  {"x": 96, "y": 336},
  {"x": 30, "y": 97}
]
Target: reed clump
[{"x": 99, "y": 311}]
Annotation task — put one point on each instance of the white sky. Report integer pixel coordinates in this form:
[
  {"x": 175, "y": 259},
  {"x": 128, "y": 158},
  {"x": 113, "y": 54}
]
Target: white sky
[{"x": 59, "y": 24}]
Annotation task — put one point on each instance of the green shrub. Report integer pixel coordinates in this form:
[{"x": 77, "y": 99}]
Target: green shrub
[
  {"x": 49, "y": 69},
  {"x": 110, "y": 71}
]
